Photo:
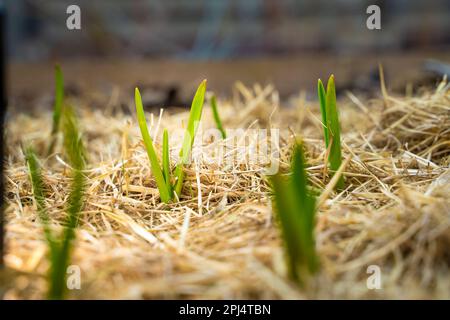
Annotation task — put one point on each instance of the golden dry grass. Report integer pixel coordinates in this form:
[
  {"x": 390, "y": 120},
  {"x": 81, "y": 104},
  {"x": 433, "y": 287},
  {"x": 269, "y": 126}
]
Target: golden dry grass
[{"x": 220, "y": 240}]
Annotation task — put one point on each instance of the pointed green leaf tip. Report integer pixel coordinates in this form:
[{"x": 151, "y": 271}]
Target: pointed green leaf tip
[
  {"x": 322, "y": 100},
  {"x": 193, "y": 123},
  {"x": 330, "y": 119},
  {"x": 164, "y": 191}
]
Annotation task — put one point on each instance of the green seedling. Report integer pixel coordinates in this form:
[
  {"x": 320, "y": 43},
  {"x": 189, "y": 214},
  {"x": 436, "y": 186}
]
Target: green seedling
[
  {"x": 331, "y": 127},
  {"x": 295, "y": 209},
  {"x": 57, "y": 108},
  {"x": 163, "y": 186},
  {"x": 217, "y": 117},
  {"x": 163, "y": 174},
  {"x": 189, "y": 136},
  {"x": 60, "y": 247}
]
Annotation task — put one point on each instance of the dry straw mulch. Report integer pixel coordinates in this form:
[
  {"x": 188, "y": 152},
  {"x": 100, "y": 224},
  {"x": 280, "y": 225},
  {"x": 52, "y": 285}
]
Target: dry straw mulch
[{"x": 220, "y": 240}]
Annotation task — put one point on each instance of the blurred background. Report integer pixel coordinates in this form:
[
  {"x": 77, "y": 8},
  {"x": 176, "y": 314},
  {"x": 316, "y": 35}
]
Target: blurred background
[{"x": 170, "y": 45}]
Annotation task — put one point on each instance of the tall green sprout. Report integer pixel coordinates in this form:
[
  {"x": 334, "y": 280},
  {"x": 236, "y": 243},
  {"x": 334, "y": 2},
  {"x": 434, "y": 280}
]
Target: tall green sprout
[
  {"x": 60, "y": 247},
  {"x": 295, "y": 208},
  {"x": 163, "y": 186},
  {"x": 331, "y": 126},
  {"x": 162, "y": 173},
  {"x": 57, "y": 108}
]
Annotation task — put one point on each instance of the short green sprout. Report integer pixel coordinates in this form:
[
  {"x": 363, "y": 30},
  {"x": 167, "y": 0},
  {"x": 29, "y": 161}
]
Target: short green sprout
[{"x": 331, "y": 127}]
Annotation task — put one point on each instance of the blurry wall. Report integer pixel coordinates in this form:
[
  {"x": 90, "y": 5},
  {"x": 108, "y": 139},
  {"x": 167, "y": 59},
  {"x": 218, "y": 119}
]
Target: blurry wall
[{"x": 215, "y": 29}]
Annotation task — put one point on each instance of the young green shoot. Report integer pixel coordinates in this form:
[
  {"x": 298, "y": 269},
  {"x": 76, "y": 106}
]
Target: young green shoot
[
  {"x": 166, "y": 160},
  {"x": 295, "y": 209},
  {"x": 76, "y": 154},
  {"x": 332, "y": 131},
  {"x": 323, "y": 110},
  {"x": 60, "y": 247},
  {"x": 163, "y": 175},
  {"x": 217, "y": 117},
  {"x": 193, "y": 122},
  {"x": 57, "y": 108},
  {"x": 163, "y": 187}
]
